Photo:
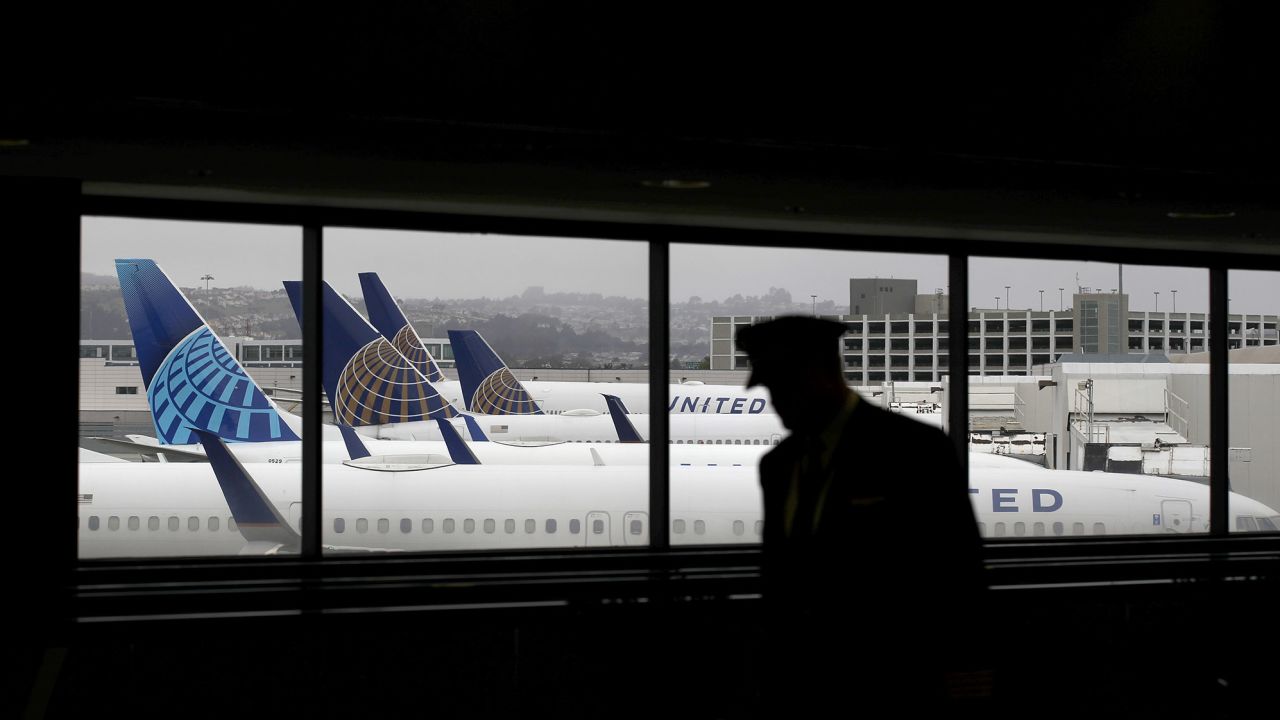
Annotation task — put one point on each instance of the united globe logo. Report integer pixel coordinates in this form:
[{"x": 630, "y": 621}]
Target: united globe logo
[
  {"x": 502, "y": 394},
  {"x": 201, "y": 385},
  {"x": 406, "y": 341},
  {"x": 379, "y": 386}
]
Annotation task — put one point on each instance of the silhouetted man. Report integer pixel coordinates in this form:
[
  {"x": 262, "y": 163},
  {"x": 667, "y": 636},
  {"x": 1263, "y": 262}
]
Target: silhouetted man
[{"x": 872, "y": 559}]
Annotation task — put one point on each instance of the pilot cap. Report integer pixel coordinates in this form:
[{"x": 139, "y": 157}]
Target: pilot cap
[{"x": 788, "y": 342}]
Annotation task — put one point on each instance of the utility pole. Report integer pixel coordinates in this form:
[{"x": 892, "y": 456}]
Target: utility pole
[{"x": 206, "y": 278}]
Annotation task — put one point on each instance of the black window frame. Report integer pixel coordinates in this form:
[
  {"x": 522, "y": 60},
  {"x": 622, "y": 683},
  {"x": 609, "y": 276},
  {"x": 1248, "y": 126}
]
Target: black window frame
[{"x": 312, "y": 563}]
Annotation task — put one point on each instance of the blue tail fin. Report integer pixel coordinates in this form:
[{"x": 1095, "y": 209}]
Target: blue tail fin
[
  {"x": 256, "y": 518},
  {"x": 490, "y": 387},
  {"x": 368, "y": 382},
  {"x": 192, "y": 380},
  {"x": 458, "y": 450},
  {"x": 385, "y": 315},
  {"x": 293, "y": 288},
  {"x": 626, "y": 431}
]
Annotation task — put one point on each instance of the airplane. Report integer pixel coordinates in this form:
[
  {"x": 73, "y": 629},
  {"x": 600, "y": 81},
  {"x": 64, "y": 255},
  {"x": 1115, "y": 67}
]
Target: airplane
[
  {"x": 376, "y": 390},
  {"x": 487, "y": 386},
  {"x": 227, "y": 507},
  {"x": 193, "y": 381}
]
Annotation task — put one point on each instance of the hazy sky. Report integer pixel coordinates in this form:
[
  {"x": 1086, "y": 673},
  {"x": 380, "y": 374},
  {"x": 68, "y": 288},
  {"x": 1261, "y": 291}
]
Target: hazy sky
[{"x": 426, "y": 264}]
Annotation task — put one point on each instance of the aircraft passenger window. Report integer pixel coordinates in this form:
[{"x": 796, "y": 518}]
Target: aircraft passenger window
[
  {"x": 737, "y": 442},
  {"x": 339, "y": 525},
  {"x": 113, "y": 522},
  {"x": 509, "y": 526},
  {"x": 597, "y": 527},
  {"x": 982, "y": 529},
  {"x": 362, "y": 525},
  {"x": 637, "y": 527},
  {"x": 489, "y": 526},
  {"x": 677, "y": 526},
  {"x": 551, "y": 527},
  {"x": 1038, "y": 529},
  {"x": 1057, "y": 528},
  {"x": 1019, "y": 529},
  {"x": 575, "y": 526},
  {"x": 530, "y": 526},
  {"x": 134, "y": 523},
  {"x": 699, "y": 527},
  {"x": 449, "y": 525},
  {"x": 153, "y": 523},
  {"x": 1077, "y": 528},
  {"x": 719, "y": 442},
  {"x": 173, "y": 523},
  {"x": 214, "y": 523},
  {"x": 1246, "y": 524},
  {"x": 1099, "y": 529},
  {"x": 999, "y": 529},
  {"x": 406, "y": 525},
  {"x": 428, "y": 525},
  {"x": 738, "y": 527},
  {"x": 193, "y": 523},
  {"x": 759, "y": 527},
  {"x": 384, "y": 525},
  {"x": 232, "y": 525},
  {"x": 93, "y": 522},
  {"x": 469, "y": 525}
]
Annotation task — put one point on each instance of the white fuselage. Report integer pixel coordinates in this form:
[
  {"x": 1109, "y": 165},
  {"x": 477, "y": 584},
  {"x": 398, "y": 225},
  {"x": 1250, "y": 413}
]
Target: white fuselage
[
  {"x": 178, "y": 509},
  {"x": 555, "y": 397}
]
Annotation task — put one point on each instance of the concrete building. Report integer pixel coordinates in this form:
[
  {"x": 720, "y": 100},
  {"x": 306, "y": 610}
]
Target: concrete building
[{"x": 912, "y": 346}]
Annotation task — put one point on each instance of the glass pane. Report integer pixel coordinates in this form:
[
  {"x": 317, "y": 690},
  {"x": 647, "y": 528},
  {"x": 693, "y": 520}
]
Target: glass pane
[
  {"x": 172, "y": 302},
  {"x": 1253, "y": 395},
  {"x": 1087, "y": 400},
  {"x": 892, "y": 354},
  {"x": 528, "y": 334}
]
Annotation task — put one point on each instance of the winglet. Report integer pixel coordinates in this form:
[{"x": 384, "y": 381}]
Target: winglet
[
  {"x": 257, "y": 519},
  {"x": 390, "y": 320},
  {"x": 626, "y": 431},
  {"x": 458, "y": 450},
  {"x": 596, "y": 460},
  {"x": 477, "y": 435},
  {"x": 355, "y": 448},
  {"x": 487, "y": 383}
]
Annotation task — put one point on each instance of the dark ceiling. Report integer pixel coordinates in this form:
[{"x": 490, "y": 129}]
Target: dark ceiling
[{"x": 1095, "y": 120}]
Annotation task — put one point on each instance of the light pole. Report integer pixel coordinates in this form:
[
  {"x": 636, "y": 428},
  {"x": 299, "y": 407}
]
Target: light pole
[
  {"x": 1157, "y": 293},
  {"x": 1006, "y": 297},
  {"x": 815, "y": 304},
  {"x": 1060, "y": 299},
  {"x": 1041, "y": 301},
  {"x": 997, "y": 302},
  {"x": 1175, "y": 300},
  {"x": 206, "y": 278}
]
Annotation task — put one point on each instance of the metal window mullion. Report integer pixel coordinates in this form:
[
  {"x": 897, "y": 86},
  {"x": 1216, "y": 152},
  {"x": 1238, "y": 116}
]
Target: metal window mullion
[
  {"x": 1218, "y": 383},
  {"x": 313, "y": 392},
  {"x": 958, "y": 333},
  {"x": 659, "y": 359}
]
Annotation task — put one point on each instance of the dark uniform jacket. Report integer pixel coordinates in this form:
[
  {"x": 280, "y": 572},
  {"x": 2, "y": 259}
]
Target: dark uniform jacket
[{"x": 883, "y": 566}]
